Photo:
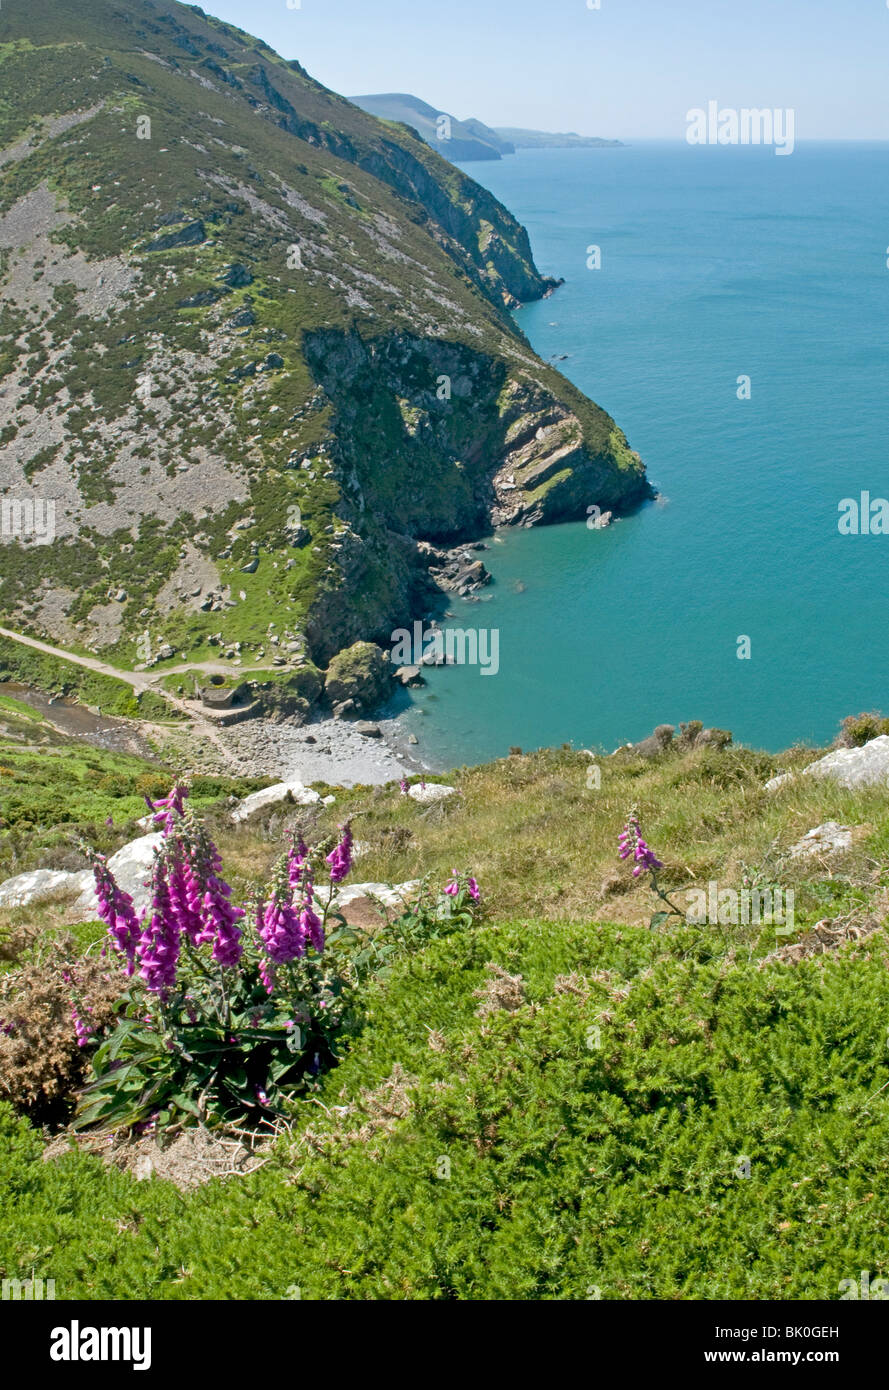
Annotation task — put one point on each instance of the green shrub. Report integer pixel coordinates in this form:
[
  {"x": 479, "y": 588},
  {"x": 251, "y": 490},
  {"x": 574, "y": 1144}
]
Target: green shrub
[
  {"x": 576, "y": 1161},
  {"x": 858, "y": 729}
]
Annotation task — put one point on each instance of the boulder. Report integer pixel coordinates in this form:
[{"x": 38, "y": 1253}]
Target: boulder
[
  {"x": 867, "y": 766},
  {"x": 433, "y": 791},
  {"x": 829, "y": 838},
  {"x": 131, "y": 867},
  {"x": 360, "y": 902},
  {"x": 293, "y": 791},
  {"x": 43, "y": 886},
  {"x": 410, "y": 676},
  {"x": 292, "y": 693},
  {"x": 369, "y": 730},
  {"x": 360, "y": 673},
  {"x": 236, "y": 276},
  {"x": 192, "y": 234}
]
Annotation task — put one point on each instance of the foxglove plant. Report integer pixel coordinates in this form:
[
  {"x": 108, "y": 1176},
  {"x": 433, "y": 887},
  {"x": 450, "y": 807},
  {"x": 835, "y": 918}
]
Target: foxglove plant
[
  {"x": 632, "y": 842},
  {"x": 229, "y": 1014},
  {"x": 222, "y": 1005},
  {"x": 457, "y": 885}
]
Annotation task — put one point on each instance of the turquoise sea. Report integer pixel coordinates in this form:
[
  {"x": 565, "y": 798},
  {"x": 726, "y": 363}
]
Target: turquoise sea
[{"x": 716, "y": 263}]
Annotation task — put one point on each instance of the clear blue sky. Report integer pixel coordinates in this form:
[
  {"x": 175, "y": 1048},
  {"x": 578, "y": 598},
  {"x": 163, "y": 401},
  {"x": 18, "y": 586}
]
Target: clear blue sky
[{"x": 629, "y": 70}]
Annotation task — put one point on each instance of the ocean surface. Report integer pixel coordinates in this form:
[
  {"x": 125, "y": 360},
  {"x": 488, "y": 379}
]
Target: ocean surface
[{"x": 716, "y": 263}]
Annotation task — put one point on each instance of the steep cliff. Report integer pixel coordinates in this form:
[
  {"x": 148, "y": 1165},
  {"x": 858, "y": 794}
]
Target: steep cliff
[{"x": 255, "y": 347}]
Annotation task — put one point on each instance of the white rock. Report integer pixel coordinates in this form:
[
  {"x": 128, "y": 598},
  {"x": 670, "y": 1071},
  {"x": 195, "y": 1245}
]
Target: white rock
[
  {"x": 131, "y": 867},
  {"x": 774, "y": 782},
  {"x": 433, "y": 791},
  {"x": 270, "y": 796},
  {"x": 829, "y": 838},
  {"x": 42, "y": 886},
  {"x": 867, "y": 766},
  {"x": 391, "y": 895}
]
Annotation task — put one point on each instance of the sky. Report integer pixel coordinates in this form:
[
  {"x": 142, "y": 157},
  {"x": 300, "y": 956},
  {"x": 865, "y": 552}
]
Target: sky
[{"x": 630, "y": 69}]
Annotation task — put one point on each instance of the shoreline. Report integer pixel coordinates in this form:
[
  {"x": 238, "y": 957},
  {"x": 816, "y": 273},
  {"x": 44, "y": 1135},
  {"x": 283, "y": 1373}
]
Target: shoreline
[
  {"x": 330, "y": 751},
  {"x": 326, "y": 750}
]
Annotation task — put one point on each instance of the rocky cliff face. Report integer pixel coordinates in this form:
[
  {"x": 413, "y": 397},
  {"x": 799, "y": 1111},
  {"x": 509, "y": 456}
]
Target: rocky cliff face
[{"x": 255, "y": 347}]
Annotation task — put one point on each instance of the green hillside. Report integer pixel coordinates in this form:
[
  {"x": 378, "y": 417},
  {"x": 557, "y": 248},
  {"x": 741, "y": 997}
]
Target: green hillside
[{"x": 255, "y": 346}]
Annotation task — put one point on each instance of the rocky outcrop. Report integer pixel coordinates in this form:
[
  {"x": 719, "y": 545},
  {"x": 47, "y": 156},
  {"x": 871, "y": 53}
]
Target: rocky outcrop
[
  {"x": 42, "y": 886},
  {"x": 360, "y": 675},
  {"x": 456, "y": 571},
  {"x": 468, "y": 442},
  {"x": 867, "y": 766},
  {"x": 829, "y": 838},
  {"x": 291, "y": 793}
]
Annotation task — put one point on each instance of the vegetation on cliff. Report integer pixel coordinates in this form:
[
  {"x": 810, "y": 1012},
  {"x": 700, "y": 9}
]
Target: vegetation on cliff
[{"x": 256, "y": 344}]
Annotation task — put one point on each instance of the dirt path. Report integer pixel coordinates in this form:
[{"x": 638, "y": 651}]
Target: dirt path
[{"x": 139, "y": 680}]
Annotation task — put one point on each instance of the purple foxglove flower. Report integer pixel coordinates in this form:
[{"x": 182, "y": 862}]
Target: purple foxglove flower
[
  {"x": 340, "y": 858},
  {"x": 158, "y": 947},
  {"x": 82, "y": 1030},
  {"x": 167, "y": 810},
  {"x": 296, "y": 858},
  {"x": 632, "y": 842},
  {"x": 310, "y": 924},
  {"x": 281, "y": 932},
  {"x": 116, "y": 910}
]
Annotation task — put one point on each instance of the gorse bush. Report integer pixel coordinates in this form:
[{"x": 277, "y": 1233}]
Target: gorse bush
[
  {"x": 48, "y": 1008},
  {"x": 648, "y": 1120},
  {"x": 858, "y": 729},
  {"x": 234, "y": 1010}
]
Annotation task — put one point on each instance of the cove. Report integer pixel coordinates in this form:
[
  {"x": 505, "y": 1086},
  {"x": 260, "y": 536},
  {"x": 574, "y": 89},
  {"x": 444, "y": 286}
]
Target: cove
[{"x": 717, "y": 263}]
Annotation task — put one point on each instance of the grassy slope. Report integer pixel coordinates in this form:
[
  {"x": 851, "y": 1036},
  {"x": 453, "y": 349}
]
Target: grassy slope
[
  {"x": 56, "y": 790},
  {"x": 578, "y": 1161}
]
